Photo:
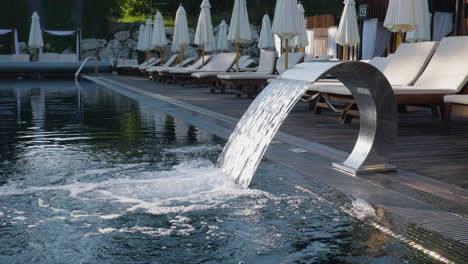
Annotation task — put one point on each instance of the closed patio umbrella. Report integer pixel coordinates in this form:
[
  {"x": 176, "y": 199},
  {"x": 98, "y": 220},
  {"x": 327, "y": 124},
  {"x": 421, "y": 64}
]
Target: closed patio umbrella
[
  {"x": 204, "y": 34},
  {"x": 148, "y": 39},
  {"x": 140, "y": 38},
  {"x": 403, "y": 16},
  {"x": 181, "y": 34},
  {"x": 348, "y": 31},
  {"x": 266, "y": 40},
  {"x": 35, "y": 34},
  {"x": 159, "y": 33},
  {"x": 285, "y": 23},
  {"x": 222, "y": 41},
  {"x": 301, "y": 40},
  {"x": 423, "y": 32},
  {"x": 239, "y": 30}
]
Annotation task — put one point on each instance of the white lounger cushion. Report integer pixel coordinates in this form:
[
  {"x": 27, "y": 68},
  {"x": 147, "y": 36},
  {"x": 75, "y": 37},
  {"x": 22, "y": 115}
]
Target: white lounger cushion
[
  {"x": 200, "y": 75},
  {"x": 157, "y": 61},
  {"x": 294, "y": 58},
  {"x": 195, "y": 66},
  {"x": 380, "y": 63},
  {"x": 448, "y": 68},
  {"x": 457, "y": 99},
  {"x": 409, "y": 62},
  {"x": 222, "y": 62},
  {"x": 247, "y": 76},
  {"x": 447, "y": 72},
  {"x": 266, "y": 67}
]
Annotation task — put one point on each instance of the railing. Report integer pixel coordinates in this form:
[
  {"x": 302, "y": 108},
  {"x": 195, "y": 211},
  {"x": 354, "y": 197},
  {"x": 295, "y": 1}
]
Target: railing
[{"x": 96, "y": 70}]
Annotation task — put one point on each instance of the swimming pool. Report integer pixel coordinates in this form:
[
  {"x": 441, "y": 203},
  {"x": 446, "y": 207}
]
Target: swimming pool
[{"x": 90, "y": 176}]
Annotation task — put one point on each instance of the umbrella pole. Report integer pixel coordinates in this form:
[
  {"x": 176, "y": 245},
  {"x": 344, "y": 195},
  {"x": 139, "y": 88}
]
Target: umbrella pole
[
  {"x": 35, "y": 54},
  {"x": 203, "y": 55},
  {"x": 287, "y": 54},
  {"x": 399, "y": 39},
  {"x": 344, "y": 52},
  {"x": 147, "y": 55},
  {"x": 181, "y": 56},
  {"x": 237, "y": 56}
]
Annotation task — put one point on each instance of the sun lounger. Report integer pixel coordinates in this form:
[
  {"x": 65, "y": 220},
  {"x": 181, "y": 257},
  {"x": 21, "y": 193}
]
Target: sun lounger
[
  {"x": 20, "y": 58},
  {"x": 453, "y": 100},
  {"x": 168, "y": 63},
  {"x": 163, "y": 74},
  {"x": 5, "y": 57},
  {"x": 258, "y": 80},
  {"x": 266, "y": 66},
  {"x": 135, "y": 69},
  {"x": 222, "y": 62},
  {"x": 446, "y": 73}
]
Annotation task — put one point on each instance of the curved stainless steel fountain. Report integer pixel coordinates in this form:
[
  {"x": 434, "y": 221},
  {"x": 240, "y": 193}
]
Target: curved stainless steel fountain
[
  {"x": 377, "y": 106},
  {"x": 374, "y": 97}
]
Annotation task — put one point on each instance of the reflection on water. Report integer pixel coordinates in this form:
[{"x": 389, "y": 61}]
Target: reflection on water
[{"x": 89, "y": 176}]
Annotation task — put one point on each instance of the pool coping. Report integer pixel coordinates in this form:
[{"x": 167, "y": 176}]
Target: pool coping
[{"x": 432, "y": 213}]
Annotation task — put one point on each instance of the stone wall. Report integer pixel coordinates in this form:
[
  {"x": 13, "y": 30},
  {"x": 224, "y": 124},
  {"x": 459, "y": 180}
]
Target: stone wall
[{"x": 124, "y": 44}]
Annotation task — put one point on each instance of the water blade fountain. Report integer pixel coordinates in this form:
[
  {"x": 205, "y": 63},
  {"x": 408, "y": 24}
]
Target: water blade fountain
[{"x": 369, "y": 87}]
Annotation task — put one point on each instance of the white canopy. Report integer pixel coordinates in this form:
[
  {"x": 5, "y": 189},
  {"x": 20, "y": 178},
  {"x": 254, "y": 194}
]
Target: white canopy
[
  {"x": 348, "y": 31},
  {"x": 403, "y": 15},
  {"x": 159, "y": 33},
  {"x": 204, "y": 34},
  {"x": 15, "y": 38},
  {"x": 266, "y": 40},
  {"x": 285, "y": 22},
  {"x": 35, "y": 33},
  {"x": 181, "y": 34},
  {"x": 222, "y": 42},
  {"x": 140, "y": 38},
  {"x": 148, "y": 36},
  {"x": 301, "y": 40},
  {"x": 76, "y": 33},
  {"x": 423, "y": 32},
  {"x": 239, "y": 30}
]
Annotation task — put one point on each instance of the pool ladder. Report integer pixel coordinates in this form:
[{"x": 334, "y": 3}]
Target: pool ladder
[{"x": 96, "y": 70}]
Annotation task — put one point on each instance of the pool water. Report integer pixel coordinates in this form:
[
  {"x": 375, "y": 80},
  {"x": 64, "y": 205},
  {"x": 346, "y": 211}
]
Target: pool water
[{"x": 90, "y": 176}]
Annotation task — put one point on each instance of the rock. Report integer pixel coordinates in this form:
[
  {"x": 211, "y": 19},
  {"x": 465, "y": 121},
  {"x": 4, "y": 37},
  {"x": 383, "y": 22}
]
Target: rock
[
  {"x": 68, "y": 51},
  {"x": 135, "y": 35},
  {"x": 254, "y": 31},
  {"x": 131, "y": 44},
  {"x": 122, "y": 35},
  {"x": 92, "y": 44},
  {"x": 23, "y": 46},
  {"x": 106, "y": 54},
  {"x": 191, "y": 52},
  {"x": 125, "y": 54},
  {"x": 89, "y": 53},
  {"x": 114, "y": 45}
]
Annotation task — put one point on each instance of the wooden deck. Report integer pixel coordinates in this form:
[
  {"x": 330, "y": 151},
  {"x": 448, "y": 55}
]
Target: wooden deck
[{"x": 423, "y": 147}]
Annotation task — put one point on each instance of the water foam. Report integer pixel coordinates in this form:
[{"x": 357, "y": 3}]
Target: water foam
[
  {"x": 254, "y": 132},
  {"x": 190, "y": 186}
]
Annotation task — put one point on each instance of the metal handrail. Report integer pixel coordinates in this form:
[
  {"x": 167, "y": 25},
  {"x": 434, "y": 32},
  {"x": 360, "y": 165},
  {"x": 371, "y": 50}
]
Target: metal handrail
[{"x": 96, "y": 70}]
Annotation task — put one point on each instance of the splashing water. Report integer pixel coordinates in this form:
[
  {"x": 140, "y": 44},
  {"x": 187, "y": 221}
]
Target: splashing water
[{"x": 254, "y": 132}]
